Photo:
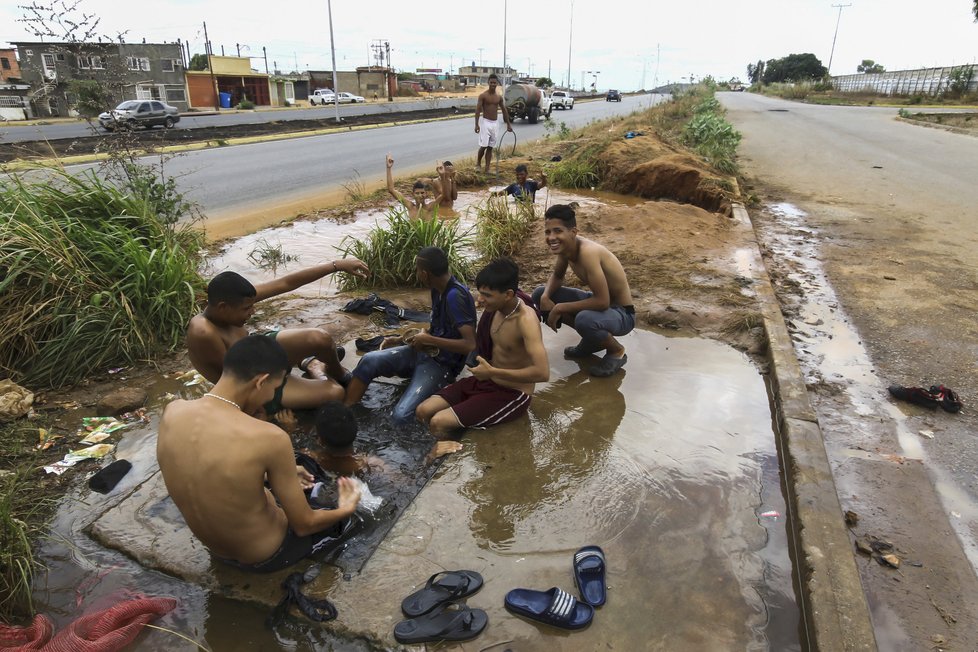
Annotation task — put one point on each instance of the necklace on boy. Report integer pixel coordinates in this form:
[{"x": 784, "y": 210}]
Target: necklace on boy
[
  {"x": 221, "y": 398},
  {"x": 519, "y": 302}
]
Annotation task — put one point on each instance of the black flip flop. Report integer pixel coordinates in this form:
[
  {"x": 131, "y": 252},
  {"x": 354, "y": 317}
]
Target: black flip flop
[
  {"x": 440, "y": 588},
  {"x": 444, "y": 624}
]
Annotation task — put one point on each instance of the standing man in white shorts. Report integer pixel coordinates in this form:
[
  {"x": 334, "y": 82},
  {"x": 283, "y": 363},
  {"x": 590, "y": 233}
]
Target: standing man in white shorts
[{"x": 487, "y": 120}]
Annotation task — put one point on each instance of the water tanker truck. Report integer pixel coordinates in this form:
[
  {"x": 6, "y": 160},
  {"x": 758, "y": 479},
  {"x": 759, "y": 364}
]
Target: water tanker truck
[{"x": 528, "y": 102}]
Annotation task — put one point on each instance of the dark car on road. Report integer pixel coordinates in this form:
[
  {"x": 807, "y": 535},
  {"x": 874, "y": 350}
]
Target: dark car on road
[
  {"x": 139, "y": 113},
  {"x": 613, "y": 96}
]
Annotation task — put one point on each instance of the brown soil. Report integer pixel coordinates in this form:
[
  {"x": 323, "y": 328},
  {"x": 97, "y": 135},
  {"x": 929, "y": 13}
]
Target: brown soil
[
  {"x": 150, "y": 139},
  {"x": 965, "y": 121}
]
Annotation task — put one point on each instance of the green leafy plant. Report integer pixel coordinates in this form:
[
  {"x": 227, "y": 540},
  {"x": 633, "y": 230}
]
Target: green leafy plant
[
  {"x": 389, "y": 250},
  {"x": 711, "y": 136},
  {"x": 269, "y": 256},
  {"x": 580, "y": 172},
  {"x": 246, "y": 105},
  {"x": 558, "y": 130},
  {"x": 90, "y": 276},
  {"x": 501, "y": 231}
]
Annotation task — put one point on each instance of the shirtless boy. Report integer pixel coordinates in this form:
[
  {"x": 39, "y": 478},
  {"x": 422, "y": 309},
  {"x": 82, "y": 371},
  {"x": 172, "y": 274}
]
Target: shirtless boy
[
  {"x": 508, "y": 366},
  {"x": 445, "y": 186},
  {"x": 597, "y": 315},
  {"x": 231, "y": 301},
  {"x": 215, "y": 460},
  {"x": 418, "y": 206},
  {"x": 487, "y": 111}
]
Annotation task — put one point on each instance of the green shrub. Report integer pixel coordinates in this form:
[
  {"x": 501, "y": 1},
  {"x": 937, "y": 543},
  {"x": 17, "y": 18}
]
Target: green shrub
[
  {"x": 501, "y": 231},
  {"x": 90, "y": 276},
  {"x": 389, "y": 250},
  {"x": 246, "y": 105},
  {"x": 579, "y": 172},
  {"x": 711, "y": 136}
]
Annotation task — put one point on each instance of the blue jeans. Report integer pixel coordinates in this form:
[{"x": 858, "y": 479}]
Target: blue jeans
[
  {"x": 427, "y": 376},
  {"x": 593, "y": 326}
]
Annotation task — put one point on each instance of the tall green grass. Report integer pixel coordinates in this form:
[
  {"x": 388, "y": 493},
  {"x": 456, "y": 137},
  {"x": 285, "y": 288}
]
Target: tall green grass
[
  {"x": 17, "y": 563},
  {"x": 389, "y": 250},
  {"x": 711, "y": 136},
  {"x": 580, "y": 172},
  {"x": 501, "y": 231},
  {"x": 91, "y": 275}
]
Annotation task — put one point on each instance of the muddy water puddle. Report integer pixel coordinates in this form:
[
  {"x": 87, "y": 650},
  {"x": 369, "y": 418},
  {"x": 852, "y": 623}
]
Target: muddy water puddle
[
  {"x": 832, "y": 352},
  {"x": 670, "y": 466}
]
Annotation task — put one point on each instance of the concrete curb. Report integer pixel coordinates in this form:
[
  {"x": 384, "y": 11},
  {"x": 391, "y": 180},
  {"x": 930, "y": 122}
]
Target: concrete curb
[
  {"x": 932, "y": 125},
  {"x": 835, "y": 614}
]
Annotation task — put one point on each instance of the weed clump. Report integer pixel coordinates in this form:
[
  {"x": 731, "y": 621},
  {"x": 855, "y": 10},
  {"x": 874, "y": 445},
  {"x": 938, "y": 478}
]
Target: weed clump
[
  {"x": 91, "y": 275},
  {"x": 501, "y": 231},
  {"x": 711, "y": 136},
  {"x": 389, "y": 250}
]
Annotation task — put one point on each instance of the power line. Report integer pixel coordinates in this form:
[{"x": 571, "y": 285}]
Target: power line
[{"x": 837, "y": 21}]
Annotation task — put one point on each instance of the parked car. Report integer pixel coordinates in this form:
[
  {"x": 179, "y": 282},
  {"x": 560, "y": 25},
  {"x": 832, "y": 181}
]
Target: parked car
[
  {"x": 322, "y": 97},
  {"x": 613, "y": 96},
  {"x": 350, "y": 98},
  {"x": 139, "y": 113},
  {"x": 561, "y": 100}
]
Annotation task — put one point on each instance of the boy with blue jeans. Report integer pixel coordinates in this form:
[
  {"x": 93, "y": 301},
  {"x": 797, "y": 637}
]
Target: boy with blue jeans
[
  {"x": 599, "y": 315},
  {"x": 431, "y": 359}
]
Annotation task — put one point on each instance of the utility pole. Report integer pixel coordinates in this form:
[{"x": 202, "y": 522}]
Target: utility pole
[
  {"x": 837, "y": 21},
  {"x": 264, "y": 54},
  {"x": 207, "y": 48},
  {"x": 332, "y": 49},
  {"x": 505, "y": 69},
  {"x": 482, "y": 59},
  {"x": 570, "y": 41},
  {"x": 238, "y": 45}
]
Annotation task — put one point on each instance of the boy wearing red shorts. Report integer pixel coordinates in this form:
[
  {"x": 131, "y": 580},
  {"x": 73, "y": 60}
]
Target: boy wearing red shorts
[{"x": 511, "y": 360}]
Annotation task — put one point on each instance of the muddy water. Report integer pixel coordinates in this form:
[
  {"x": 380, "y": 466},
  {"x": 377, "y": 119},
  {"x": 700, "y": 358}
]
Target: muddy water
[{"x": 670, "y": 466}]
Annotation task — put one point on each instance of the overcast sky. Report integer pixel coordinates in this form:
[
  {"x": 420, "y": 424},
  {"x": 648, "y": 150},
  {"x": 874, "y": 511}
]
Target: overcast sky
[{"x": 626, "y": 41}]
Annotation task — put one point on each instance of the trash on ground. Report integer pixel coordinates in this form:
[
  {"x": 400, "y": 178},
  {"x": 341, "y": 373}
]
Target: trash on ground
[
  {"x": 929, "y": 434},
  {"x": 15, "y": 401},
  {"x": 96, "y": 452},
  {"x": 852, "y": 518},
  {"x": 889, "y": 560}
]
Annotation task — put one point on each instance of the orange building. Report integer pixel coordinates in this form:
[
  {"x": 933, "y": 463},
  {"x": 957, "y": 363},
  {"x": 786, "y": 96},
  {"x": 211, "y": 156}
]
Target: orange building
[{"x": 9, "y": 68}]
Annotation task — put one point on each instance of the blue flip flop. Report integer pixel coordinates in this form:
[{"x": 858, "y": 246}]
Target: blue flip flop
[
  {"x": 589, "y": 572},
  {"x": 555, "y": 607}
]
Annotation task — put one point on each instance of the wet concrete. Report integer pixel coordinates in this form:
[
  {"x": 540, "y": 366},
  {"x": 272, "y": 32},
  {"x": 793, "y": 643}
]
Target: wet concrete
[{"x": 670, "y": 466}]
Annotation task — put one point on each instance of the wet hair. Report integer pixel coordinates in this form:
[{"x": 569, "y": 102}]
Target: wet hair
[
  {"x": 500, "y": 275},
  {"x": 448, "y": 164},
  {"x": 562, "y": 212},
  {"x": 520, "y": 168},
  {"x": 494, "y": 76},
  {"x": 254, "y": 355},
  {"x": 418, "y": 185},
  {"x": 336, "y": 425},
  {"x": 229, "y": 287},
  {"x": 433, "y": 260}
]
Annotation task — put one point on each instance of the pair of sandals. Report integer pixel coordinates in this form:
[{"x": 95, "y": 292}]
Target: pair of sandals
[
  {"x": 340, "y": 354},
  {"x": 434, "y": 613},
  {"x": 559, "y": 608}
]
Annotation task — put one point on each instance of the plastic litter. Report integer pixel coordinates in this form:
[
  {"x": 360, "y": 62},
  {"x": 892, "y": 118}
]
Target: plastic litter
[
  {"x": 15, "y": 401},
  {"x": 96, "y": 452}
]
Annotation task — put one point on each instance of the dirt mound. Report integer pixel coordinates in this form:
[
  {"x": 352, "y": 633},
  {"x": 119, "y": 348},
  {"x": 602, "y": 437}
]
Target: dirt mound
[{"x": 647, "y": 167}]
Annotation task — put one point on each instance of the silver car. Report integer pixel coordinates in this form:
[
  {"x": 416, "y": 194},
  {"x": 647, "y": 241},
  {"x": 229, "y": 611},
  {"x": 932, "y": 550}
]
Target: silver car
[{"x": 139, "y": 113}]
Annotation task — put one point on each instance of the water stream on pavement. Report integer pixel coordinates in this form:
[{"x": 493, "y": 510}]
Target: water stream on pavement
[{"x": 671, "y": 466}]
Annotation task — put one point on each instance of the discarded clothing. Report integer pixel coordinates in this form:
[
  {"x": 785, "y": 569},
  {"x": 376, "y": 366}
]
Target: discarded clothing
[
  {"x": 318, "y": 609},
  {"x": 15, "y": 401},
  {"x": 938, "y": 396},
  {"x": 103, "y": 631},
  {"x": 392, "y": 312}
]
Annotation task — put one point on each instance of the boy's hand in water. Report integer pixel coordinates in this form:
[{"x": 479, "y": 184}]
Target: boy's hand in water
[
  {"x": 286, "y": 419},
  {"x": 349, "y": 494},
  {"x": 306, "y": 481}
]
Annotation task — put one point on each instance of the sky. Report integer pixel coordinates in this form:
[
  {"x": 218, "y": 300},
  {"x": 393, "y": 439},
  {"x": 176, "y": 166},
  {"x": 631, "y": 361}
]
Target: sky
[{"x": 623, "y": 44}]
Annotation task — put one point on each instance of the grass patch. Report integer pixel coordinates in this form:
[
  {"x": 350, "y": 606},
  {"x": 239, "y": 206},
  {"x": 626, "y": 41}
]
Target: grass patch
[
  {"x": 711, "y": 136},
  {"x": 582, "y": 171},
  {"x": 25, "y": 505},
  {"x": 389, "y": 250},
  {"x": 269, "y": 256},
  {"x": 91, "y": 275},
  {"x": 355, "y": 189},
  {"x": 501, "y": 231}
]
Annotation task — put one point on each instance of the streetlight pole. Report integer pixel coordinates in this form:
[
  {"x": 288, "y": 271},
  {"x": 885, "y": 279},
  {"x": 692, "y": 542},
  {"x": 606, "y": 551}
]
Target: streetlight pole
[
  {"x": 837, "y": 21},
  {"x": 594, "y": 86},
  {"x": 332, "y": 49},
  {"x": 505, "y": 24},
  {"x": 570, "y": 41}
]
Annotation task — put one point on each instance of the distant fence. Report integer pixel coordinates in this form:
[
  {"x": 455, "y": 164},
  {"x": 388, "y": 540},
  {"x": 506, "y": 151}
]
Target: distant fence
[{"x": 923, "y": 81}]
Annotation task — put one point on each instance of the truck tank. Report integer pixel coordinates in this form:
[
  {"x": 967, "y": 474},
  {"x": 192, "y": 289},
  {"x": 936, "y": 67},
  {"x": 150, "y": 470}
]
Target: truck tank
[{"x": 524, "y": 101}]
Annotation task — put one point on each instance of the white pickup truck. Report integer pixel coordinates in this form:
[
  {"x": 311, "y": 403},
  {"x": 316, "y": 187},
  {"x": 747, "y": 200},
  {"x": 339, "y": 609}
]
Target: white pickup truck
[
  {"x": 561, "y": 100},
  {"x": 321, "y": 96}
]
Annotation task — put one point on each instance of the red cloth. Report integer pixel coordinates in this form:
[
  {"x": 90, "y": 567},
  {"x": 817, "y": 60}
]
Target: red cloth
[
  {"x": 103, "y": 631},
  {"x": 33, "y": 637}
]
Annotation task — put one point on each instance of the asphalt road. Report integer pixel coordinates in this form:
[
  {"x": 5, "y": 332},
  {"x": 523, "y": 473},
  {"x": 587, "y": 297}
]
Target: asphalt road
[
  {"x": 15, "y": 133},
  {"x": 269, "y": 174},
  {"x": 868, "y": 223}
]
